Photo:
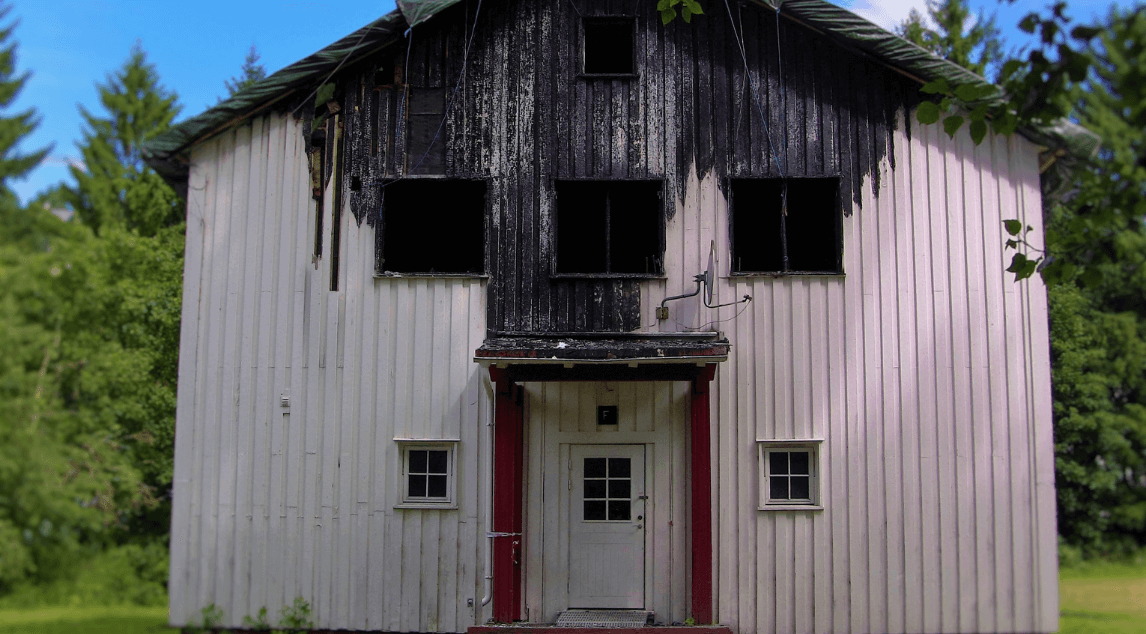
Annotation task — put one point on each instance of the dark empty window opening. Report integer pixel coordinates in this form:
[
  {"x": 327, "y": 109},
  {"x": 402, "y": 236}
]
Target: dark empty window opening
[
  {"x": 806, "y": 240},
  {"x": 608, "y": 46},
  {"x": 609, "y": 227},
  {"x": 433, "y": 226}
]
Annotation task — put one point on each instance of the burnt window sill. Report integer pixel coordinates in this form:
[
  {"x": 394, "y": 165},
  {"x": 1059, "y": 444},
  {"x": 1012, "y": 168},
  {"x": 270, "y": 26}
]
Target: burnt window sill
[
  {"x": 608, "y": 76},
  {"x": 607, "y": 276},
  {"x": 394, "y": 275},
  {"x": 786, "y": 274}
]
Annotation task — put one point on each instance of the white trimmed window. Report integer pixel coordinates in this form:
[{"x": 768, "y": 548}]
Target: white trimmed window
[
  {"x": 789, "y": 475},
  {"x": 428, "y": 479}
]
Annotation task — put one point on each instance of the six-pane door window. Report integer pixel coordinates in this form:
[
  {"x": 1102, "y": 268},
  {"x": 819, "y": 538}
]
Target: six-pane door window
[{"x": 608, "y": 489}]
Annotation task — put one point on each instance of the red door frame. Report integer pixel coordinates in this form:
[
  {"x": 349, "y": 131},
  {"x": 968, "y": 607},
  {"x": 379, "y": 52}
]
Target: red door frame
[{"x": 508, "y": 481}]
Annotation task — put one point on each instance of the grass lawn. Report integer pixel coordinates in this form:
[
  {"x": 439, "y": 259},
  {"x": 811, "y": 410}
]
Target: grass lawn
[
  {"x": 93, "y": 620},
  {"x": 1099, "y": 598},
  {"x": 1103, "y": 597}
]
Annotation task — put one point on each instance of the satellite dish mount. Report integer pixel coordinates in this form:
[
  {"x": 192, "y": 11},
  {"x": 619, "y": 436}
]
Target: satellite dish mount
[{"x": 704, "y": 281}]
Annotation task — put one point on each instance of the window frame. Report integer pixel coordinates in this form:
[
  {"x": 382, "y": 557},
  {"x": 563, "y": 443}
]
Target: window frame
[
  {"x": 381, "y": 231},
  {"x": 764, "y": 449},
  {"x": 555, "y": 231},
  {"x": 837, "y": 234},
  {"x": 583, "y": 46},
  {"x": 405, "y": 500}
]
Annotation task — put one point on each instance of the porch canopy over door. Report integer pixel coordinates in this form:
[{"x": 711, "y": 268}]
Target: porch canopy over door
[{"x": 514, "y": 359}]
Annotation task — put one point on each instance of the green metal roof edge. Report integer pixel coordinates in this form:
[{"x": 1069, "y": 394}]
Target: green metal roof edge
[{"x": 163, "y": 152}]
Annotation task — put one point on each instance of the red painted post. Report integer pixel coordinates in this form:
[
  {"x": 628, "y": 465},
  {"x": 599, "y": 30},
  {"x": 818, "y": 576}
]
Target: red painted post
[
  {"x": 508, "y": 455},
  {"x": 701, "y": 500}
]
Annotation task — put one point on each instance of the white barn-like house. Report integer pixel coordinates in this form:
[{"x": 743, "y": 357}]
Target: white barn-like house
[{"x": 435, "y": 372}]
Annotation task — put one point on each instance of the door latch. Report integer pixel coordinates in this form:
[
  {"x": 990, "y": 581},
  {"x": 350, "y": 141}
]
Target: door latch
[{"x": 642, "y": 497}]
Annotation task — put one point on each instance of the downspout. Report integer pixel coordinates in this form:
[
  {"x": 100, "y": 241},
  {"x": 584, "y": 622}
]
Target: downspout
[{"x": 489, "y": 500}]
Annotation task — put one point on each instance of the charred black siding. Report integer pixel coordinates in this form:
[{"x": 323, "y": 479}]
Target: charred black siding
[{"x": 523, "y": 118}]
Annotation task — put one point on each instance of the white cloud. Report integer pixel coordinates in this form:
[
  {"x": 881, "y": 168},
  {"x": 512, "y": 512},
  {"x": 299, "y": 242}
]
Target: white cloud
[
  {"x": 886, "y": 13},
  {"x": 66, "y": 160}
]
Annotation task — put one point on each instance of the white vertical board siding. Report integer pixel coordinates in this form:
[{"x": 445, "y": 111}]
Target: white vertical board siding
[
  {"x": 924, "y": 368},
  {"x": 272, "y": 502}
]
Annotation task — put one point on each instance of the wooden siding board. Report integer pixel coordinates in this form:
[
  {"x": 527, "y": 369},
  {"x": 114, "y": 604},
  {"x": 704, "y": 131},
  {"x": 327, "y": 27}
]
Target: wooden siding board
[
  {"x": 891, "y": 449},
  {"x": 911, "y": 570},
  {"x": 187, "y": 463}
]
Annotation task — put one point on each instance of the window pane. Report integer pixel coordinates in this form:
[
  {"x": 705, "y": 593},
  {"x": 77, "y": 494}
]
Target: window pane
[
  {"x": 778, "y": 462},
  {"x": 619, "y": 489},
  {"x": 778, "y": 487},
  {"x": 635, "y": 210},
  {"x": 619, "y": 467},
  {"x": 594, "y": 488},
  {"x": 594, "y": 510},
  {"x": 437, "y": 486},
  {"x": 608, "y": 45},
  {"x": 594, "y": 467},
  {"x": 412, "y": 211},
  {"x": 619, "y": 509},
  {"x": 437, "y": 462},
  {"x": 417, "y": 486},
  {"x": 581, "y": 225},
  {"x": 799, "y": 462},
  {"x": 418, "y": 461},
  {"x": 801, "y": 487},
  {"x": 813, "y": 224}
]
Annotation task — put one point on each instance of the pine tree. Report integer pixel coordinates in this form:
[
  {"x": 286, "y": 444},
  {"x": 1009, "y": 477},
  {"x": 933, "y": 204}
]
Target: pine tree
[
  {"x": 117, "y": 188},
  {"x": 976, "y": 47},
  {"x": 14, "y": 127},
  {"x": 1098, "y": 308},
  {"x": 252, "y": 73}
]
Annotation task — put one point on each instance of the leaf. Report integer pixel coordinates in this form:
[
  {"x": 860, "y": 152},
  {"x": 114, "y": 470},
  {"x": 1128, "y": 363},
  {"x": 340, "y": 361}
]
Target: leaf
[
  {"x": 668, "y": 15},
  {"x": 945, "y": 104},
  {"x": 663, "y": 5},
  {"x": 1029, "y": 23},
  {"x": 694, "y": 7},
  {"x": 1009, "y": 68},
  {"x": 1013, "y": 226},
  {"x": 927, "y": 112},
  {"x": 952, "y": 124},
  {"x": 967, "y": 92},
  {"x": 937, "y": 87},
  {"x": 1017, "y": 263},
  {"x": 1085, "y": 32},
  {"x": 978, "y": 130},
  {"x": 325, "y": 93},
  {"x": 1012, "y": 244},
  {"x": 686, "y": 13}
]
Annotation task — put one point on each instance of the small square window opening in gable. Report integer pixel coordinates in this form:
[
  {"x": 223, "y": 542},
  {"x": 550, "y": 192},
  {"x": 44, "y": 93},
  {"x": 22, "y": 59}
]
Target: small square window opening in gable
[
  {"x": 789, "y": 475},
  {"x": 433, "y": 226},
  {"x": 428, "y": 478},
  {"x": 607, "y": 46},
  {"x": 610, "y": 227},
  {"x": 808, "y": 239}
]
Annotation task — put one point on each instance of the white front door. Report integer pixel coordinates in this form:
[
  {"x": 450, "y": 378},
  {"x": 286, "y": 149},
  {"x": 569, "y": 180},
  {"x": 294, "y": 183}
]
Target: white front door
[{"x": 607, "y": 526}]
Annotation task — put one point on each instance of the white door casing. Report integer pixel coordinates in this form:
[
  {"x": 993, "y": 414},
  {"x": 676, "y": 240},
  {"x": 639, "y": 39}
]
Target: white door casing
[{"x": 607, "y": 520}]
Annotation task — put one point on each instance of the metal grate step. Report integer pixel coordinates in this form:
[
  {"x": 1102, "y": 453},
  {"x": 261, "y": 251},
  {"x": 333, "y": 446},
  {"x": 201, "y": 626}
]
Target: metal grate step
[{"x": 604, "y": 618}]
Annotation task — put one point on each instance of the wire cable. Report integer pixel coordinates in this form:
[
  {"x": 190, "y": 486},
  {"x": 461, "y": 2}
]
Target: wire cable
[
  {"x": 450, "y": 102},
  {"x": 755, "y": 92}
]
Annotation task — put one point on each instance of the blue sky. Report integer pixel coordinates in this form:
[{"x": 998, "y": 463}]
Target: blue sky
[{"x": 69, "y": 47}]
